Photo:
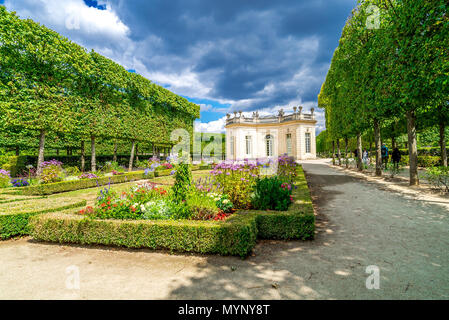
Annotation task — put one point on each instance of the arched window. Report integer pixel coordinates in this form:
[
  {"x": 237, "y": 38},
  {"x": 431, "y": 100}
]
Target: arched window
[{"x": 269, "y": 145}]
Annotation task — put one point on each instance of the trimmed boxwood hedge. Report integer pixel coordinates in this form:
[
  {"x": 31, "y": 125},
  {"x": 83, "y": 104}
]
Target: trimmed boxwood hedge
[
  {"x": 235, "y": 236},
  {"x": 65, "y": 186},
  {"x": 16, "y": 224}
]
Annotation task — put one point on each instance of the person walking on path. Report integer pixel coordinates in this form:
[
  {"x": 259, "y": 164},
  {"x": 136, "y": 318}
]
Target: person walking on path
[
  {"x": 384, "y": 152},
  {"x": 365, "y": 157},
  {"x": 396, "y": 157},
  {"x": 356, "y": 153}
]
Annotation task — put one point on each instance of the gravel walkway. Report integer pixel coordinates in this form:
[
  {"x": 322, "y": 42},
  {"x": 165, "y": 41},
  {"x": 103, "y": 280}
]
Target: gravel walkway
[{"x": 359, "y": 225}]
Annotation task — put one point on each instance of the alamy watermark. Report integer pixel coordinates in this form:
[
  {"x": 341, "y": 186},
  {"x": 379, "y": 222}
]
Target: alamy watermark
[
  {"x": 373, "y": 280},
  {"x": 373, "y": 19},
  {"x": 72, "y": 282}
]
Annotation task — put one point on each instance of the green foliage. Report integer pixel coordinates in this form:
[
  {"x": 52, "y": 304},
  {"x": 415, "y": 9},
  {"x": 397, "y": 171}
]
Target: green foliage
[
  {"x": 428, "y": 161},
  {"x": 383, "y": 74},
  {"x": 236, "y": 181},
  {"x": 50, "y": 83},
  {"x": 271, "y": 193},
  {"x": 13, "y": 164},
  {"x": 72, "y": 171},
  {"x": 5, "y": 179},
  {"x": 438, "y": 178},
  {"x": 51, "y": 174},
  {"x": 65, "y": 186},
  {"x": 235, "y": 236},
  {"x": 183, "y": 182},
  {"x": 202, "y": 206},
  {"x": 14, "y": 224}
]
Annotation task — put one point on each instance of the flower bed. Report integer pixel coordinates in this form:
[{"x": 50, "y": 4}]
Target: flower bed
[
  {"x": 64, "y": 186},
  {"x": 236, "y": 235}
]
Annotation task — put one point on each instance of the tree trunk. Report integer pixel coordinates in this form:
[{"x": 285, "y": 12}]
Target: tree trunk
[
  {"x": 83, "y": 156},
  {"x": 338, "y": 152},
  {"x": 131, "y": 158},
  {"x": 393, "y": 143},
  {"x": 17, "y": 151},
  {"x": 412, "y": 147},
  {"x": 346, "y": 153},
  {"x": 359, "y": 152},
  {"x": 333, "y": 152},
  {"x": 93, "y": 160},
  {"x": 137, "y": 152},
  {"x": 40, "y": 158},
  {"x": 443, "y": 145},
  {"x": 114, "y": 158},
  {"x": 154, "y": 151},
  {"x": 378, "y": 142},
  {"x": 57, "y": 152}
]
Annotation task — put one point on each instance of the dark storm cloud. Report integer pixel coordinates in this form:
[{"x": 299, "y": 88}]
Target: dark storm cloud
[
  {"x": 249, "y": 54},
  {"x": 243, "y": 46}
]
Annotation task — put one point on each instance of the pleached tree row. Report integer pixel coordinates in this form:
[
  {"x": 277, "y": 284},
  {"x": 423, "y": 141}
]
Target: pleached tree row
[
  {"x": 390, "y": 73},
  {"x": 51, "y": 87}
]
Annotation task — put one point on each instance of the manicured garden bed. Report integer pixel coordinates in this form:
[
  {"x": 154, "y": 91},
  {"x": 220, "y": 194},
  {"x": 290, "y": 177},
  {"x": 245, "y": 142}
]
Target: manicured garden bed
[
  {"x": 14, "y": 217},
  {"x": 236, "y": 235},
  {"x": 65, "y": 186}
]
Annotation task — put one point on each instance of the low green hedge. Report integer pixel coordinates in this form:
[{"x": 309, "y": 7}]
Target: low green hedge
[
  {"x": 16, "y": 224},
  {"x": 65, "y": 186},
  {"x": 162, "y": 173},
  {"x": 20, "y": 199},
  {"x": 235, "y": 236}
]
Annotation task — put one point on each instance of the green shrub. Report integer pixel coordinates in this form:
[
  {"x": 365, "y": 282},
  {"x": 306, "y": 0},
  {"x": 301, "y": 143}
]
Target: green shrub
[
  {"x": 183, "y": 182},
  {"x": 202, "y": 206},
  {"x": 64, "y": 186},
  {"x": 72, "y": 171},
  {"x": 271, "y": 193},
  {"x": 14, "y": 224},
  {"x": 405, "y": 160},
  {"x": 5, "y": 179},
  {"x": 51, "y": 174},
  {"x": 438, "y": 178},
  {"x": 13, "y": 164},
  {"x": 236, "y": 236},
  {"x": 428, "y": 161},
  {"x": 163, "y": 173}
]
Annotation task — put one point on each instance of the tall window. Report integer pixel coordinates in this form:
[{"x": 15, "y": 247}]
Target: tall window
[
  {"x": 249, "y": 145},
  {"x": 308, "y": 150},
  {"x": 232, "y": 146},
  {"x": 289, "y": 145},
  {"x": 269, "y": 145}
]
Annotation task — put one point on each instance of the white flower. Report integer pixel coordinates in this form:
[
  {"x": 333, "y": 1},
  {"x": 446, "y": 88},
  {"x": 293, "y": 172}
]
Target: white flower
[{"x": 225, "y": 201}]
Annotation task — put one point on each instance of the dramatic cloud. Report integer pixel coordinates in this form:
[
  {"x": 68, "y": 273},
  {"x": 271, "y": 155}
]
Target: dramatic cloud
[{"x": 242, "y": 55}]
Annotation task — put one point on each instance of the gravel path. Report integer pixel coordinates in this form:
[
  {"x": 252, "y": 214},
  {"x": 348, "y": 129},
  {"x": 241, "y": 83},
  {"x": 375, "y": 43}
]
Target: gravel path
[{"x": 359, "y": 225}]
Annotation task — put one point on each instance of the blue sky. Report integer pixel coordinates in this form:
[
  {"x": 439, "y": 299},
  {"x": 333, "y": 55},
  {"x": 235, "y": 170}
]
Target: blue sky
[{"x": 223, "y": 55}]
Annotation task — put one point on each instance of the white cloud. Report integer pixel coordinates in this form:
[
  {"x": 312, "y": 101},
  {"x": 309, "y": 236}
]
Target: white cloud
[
  {"x": 217, "y": 126},
  {"x": 74, "y": 19}
]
